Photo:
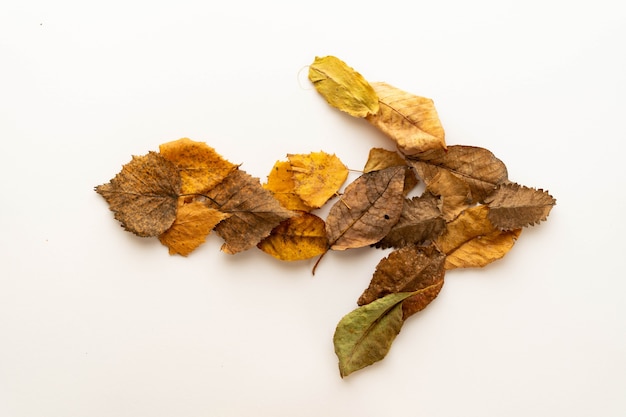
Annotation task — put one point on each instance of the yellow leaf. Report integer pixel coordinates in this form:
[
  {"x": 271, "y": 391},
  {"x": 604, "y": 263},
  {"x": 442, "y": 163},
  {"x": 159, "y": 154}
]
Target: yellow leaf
[
  {"x": 201, "y": 168},
  {"x": 343, "y": 87},
  {"x": 411, "y": 121},
  {"x": 379, "y": 159},
  {"x": 282, "y": 186},
  {"x": 300, "y": 237},
  {"x": 194, "y": 221},
  {"x": 318, "y": 176}
]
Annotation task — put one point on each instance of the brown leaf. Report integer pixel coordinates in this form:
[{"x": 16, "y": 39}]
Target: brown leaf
[
  {"x": 194, "y": 221},
  {"x": 368, "y": 209},
  {"x": 475, "y": 166},
  {"x": 420, "y": 220},
  {"x": 300, "y": 237},
  {"x": 411, "y": 268},
  {"x": 343, "y": 87},
  {"x": 380, "y": 158},
  {"x": 513, "y": 206},
  {"x": 144, "y": 194},
  {"x": 411, "y": 121},
  {"x": 471, "y": 240},
  {"x": 454, "y": 192},
  {"x": 317, "y": 176},
  {"x": 201, "y": 168},
  {"x": 254, "y": 211},
  {"x": 282, "y": 186}
]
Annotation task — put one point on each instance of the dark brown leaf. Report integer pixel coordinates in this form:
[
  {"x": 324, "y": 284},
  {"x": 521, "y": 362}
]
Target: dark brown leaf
[
  {"x": 144, "y": 194},
  {"x": 475, "y": 166},
  {"x": 370, "y": 206},
  {"x": 513, "y": 206},
  {"x": 254, "y": 211}
]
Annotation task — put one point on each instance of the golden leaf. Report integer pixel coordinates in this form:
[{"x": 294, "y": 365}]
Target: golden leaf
[
  {"x": 281, "y": 184},
  {"x": 297, "y": 238},
  {"x": 411, "y": 121},
  {"x": 194, "y": 221},
  {"x": 201, "y": 168},
  {"x": 317, "y": 176},
  {"x": 343, "y": 87},
  {"x": 380, "y": 158},
  {"x": 144, "y": 194}
]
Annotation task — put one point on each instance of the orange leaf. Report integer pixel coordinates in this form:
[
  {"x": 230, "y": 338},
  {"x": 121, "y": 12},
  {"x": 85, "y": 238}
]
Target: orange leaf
[
  {"x": 318, "y": 176},
  {"x": 282, "y": 186},
  {"x": 297, "y": 238}
]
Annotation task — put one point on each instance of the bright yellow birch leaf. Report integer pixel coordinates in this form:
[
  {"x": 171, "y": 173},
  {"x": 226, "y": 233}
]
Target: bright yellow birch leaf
[
  {"x": 194, "y": 222},
  {"x": 318, "y": 176},
  {"x": 201, "y": 167},
  {"x": 282, "y": 186},
  {"x": 411, "y": 121},
  {"x": 297, "y": 238},
  {"x": 343, "y": 87}
]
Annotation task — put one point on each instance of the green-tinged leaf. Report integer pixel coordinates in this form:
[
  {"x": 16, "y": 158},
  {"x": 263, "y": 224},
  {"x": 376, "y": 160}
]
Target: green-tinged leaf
[
  {"x": 343, "y": 87},
  {"x": 364, "y": 336}
]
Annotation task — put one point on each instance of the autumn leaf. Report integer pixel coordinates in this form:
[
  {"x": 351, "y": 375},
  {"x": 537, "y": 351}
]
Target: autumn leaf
[
  {"x": 409, "y": 120},
  {"x": 300, "y": 237},
  {"x": 368, "y": 209},
  {"x": 144, "y": 194},
  {"x": 364, "y": 336},
  {"x": 420, "y": 220},
  {"x": 475, "y": 166},
  {"x": 254, "y": 212},
  {"x": 453, "y": 191},
  {"x": 317, "y": 176},
  {"x": 201, "y": 167},
  {"x": 380, "y": 158},
  {"x": 471, "y": 240},
  {"x": 194, "y": 221},
  {"x": 513, "y": 206},
  {"x": 343, "y": 87},
  {"x": 411, "y": 268},
  {"x": 281, "y": 184}
]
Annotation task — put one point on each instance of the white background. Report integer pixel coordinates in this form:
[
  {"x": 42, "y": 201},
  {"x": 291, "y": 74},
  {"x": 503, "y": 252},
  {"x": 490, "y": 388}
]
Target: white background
[{"x": 97, "y": 322}]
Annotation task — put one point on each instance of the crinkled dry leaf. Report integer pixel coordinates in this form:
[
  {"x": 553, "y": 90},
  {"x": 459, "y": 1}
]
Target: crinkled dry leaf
[
  {"x": 144, "y": 194},
  {"x": 411, "y": 268},
  {"x": 201, "y": 168},
  {"x": 194, "y": 222},
  {"x": 368, "y": 209},
  {"x": 411, "y": 121},
  {"x": 420, "y": 221},
  {"x": 471, "y": 240},
  {"x": 477, "y": 167},
  {"x": 282, "y": 186},
  {"x": 380, "y": 158},
  {"x": 513, "y": 206},
  {"x": 254, "y": 211},
  {"x": 317, "y": 176},
  {"x": 300, "y": 237},
  {"x": 343, "y": 87},
  {"x": 454, "y": 192},
  {"x": 364, "y": 336}
]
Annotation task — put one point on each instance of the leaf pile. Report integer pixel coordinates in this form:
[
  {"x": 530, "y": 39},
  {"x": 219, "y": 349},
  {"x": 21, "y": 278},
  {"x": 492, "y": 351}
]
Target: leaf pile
[{"x": 469, "y": 215}]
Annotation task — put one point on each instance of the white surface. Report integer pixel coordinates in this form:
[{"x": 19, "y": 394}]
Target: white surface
[{"x": 97, "y": 322}]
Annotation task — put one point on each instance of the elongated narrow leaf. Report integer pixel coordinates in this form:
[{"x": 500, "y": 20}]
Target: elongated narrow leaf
[
  {"x": 365, "y": 335},
  {"x": 370, "y": 206},
  {"x": 513, "y": 206}
]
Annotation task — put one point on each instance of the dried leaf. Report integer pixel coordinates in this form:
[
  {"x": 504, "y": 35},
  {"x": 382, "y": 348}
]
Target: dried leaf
[
  {"x": 454, "y": 192},
  {"x": 370, "y": 206},
  {"x": 364, "y": 336},
  {"x": 513, "y": 206},
  {"x": 411, "y": 121},
  {"x": 297, "y": 238},
  {"x": 254, "y": 211},
  {"x": 280, "y": 182},
  {"x": 411, "y": 268},
  {"x": 317, "y": 176},
  {"x": 194, "y": 222},
  {"x": 477, "y": 167},
  {"x": 343, "y": 87},
  {"x": 420, "y": 221},
  {"x": 144, "y": 194},
  {"x": 201, "y": 168},
  {"x": 380, "y": 158},
  {"x": 471, "y": 240}
]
